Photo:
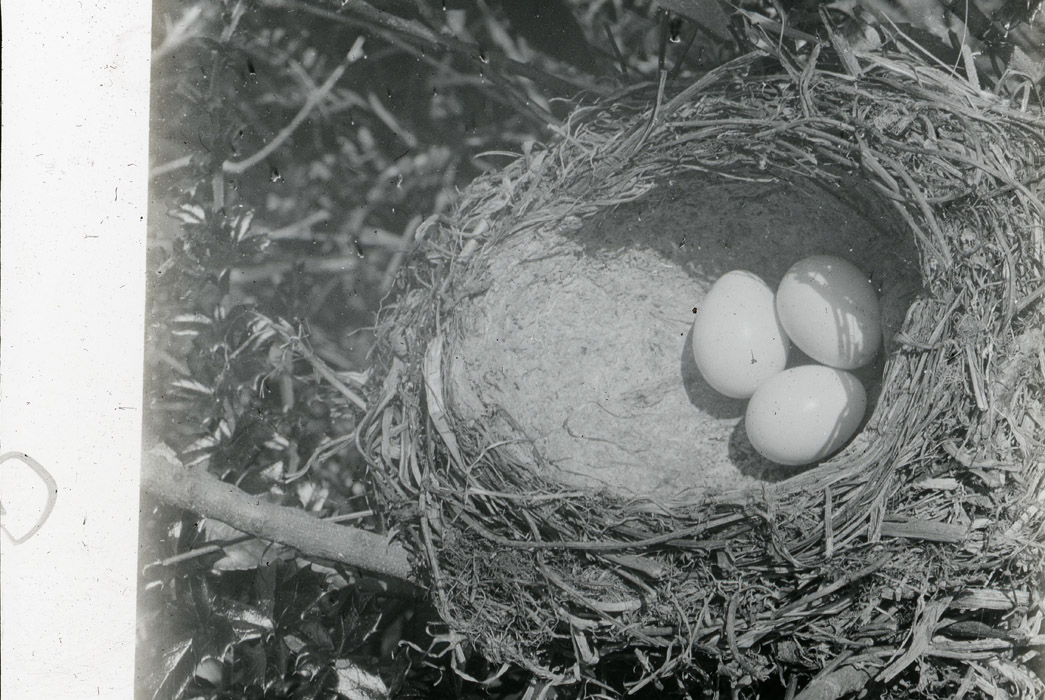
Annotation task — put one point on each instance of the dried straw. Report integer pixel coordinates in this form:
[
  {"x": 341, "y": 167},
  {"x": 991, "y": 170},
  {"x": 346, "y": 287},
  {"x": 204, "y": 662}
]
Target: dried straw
[{"x": 921, "y": 542}]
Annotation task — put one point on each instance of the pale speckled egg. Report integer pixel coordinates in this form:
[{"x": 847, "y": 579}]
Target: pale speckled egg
[
  {"x": 804, "y": 414},
  {"x": 738, "y": 341},
  {"x": 829, "y": 309}
]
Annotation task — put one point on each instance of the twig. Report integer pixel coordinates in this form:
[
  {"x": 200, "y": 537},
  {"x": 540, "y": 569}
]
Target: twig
[
  {"x": 616, "y": 50},
  {"x": 328, "y": 374},
  {"x": 382, "y": 113},
  {"x": 201, "y": 492},
  {"x": 304, "y": 225},
  {"x": 171, "y": 166},
  {"x": 241, "y": 166},
  {"x": 233, "y": 21}
]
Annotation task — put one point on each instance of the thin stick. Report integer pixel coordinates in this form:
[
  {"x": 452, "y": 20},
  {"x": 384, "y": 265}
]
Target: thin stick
[
  {"x": 201, "y": 492},
  {"x": 241, "y": 166},
  {"x": 304, "y": 226},
  {"x": 328, "y": 374},
  {"x": 616, "y": 49},
  {"x": 171, "y": 166}
]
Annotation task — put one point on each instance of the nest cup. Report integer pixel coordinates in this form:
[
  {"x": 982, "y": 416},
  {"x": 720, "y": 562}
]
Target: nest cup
[{"x": 583, "y": 505}]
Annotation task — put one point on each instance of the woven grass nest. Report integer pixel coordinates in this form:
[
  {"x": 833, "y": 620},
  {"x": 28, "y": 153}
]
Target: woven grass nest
[{"x": 561, "y": 530}]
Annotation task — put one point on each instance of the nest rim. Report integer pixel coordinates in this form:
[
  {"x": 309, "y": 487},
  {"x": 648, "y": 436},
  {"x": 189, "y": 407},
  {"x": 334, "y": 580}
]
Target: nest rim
[{"x": 429, "y": 467}]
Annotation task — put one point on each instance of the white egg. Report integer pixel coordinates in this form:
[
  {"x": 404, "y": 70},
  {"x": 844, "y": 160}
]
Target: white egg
[
  {"x": 830, "y": 311},
  {"x": 804, "y": 414},
  {"x": 738, "y": 341}
]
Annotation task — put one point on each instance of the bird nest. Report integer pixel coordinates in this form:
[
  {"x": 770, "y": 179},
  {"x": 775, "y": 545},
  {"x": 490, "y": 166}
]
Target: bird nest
[{"x": 584, "y": 549}]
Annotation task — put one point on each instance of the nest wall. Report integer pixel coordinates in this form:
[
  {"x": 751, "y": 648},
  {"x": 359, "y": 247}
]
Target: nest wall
[{"x": 929, "y": 519}]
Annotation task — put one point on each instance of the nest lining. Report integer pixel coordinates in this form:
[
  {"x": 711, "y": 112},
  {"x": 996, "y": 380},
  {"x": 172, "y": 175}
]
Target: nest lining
[
  {"x": 581, "y": 339},
  {"x": 863, "y": 558}
]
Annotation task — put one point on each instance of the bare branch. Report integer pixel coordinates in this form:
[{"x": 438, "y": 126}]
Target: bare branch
[{"x": 201, "y": 492}]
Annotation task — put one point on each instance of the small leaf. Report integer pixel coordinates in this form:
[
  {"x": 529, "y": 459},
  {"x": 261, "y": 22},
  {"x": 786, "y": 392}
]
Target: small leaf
[
  {"x": 295, "y": 644},
  {"x": 192, "y": 318},
  {"x": 172, "y": 675},
  {"x": 198, "y": 461},
  {"x": 204, "y": 443},
  {"x": 210, "y": 670},
  {"x": 248, "y": 623},
  {"x": 193, "y": 386},
  {"x": 241, "y": 225},
  {"x": 317, "y": 634},
  {"x": 296, "y": 595},
  {"x": 190, "y": 214},
  {"x": 356, "y": 681},
  {"x": 223, "y": 430},
  {"x": 243, "y": 556},
  {"x": 238, "y": 554}
]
